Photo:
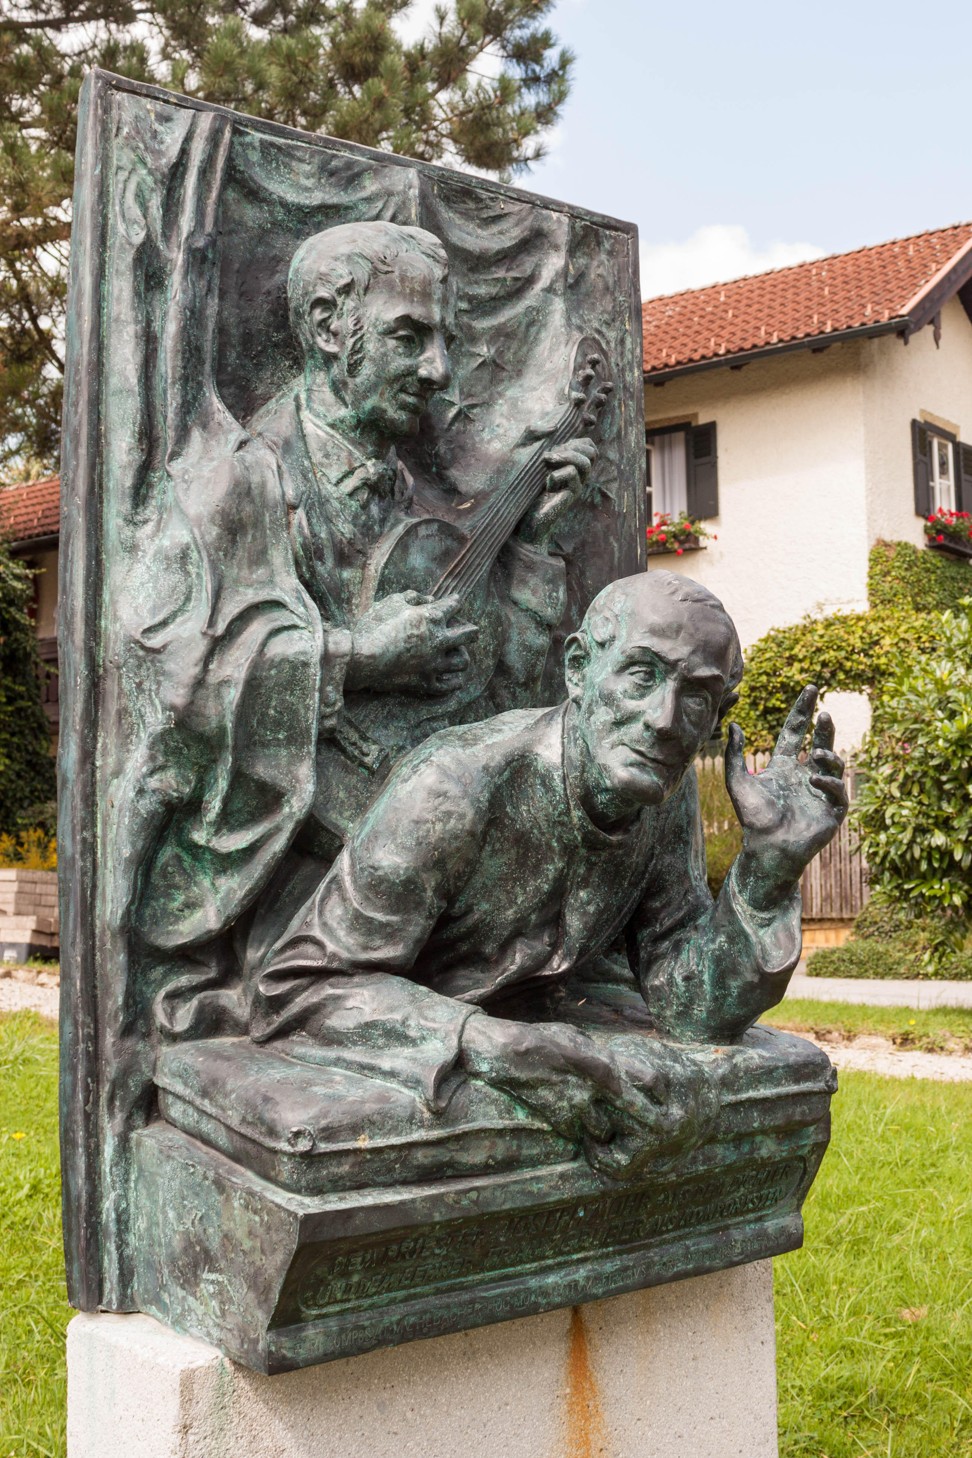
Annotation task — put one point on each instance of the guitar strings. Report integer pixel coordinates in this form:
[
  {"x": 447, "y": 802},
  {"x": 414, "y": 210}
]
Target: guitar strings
[
  {"x": 503, "y": 512},
  {"x": 497, "y": 525},
  {"x": 500, "y": 517}
]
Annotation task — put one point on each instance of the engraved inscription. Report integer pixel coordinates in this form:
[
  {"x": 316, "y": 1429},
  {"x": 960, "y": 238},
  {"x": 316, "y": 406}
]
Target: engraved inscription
[{"x": 359, "y": 1274}]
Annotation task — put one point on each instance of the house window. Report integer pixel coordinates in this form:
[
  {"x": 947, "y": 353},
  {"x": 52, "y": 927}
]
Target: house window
[
  {"x": 942, "y": 468},
  {"x": 667, "y": 471},
  {"x": 942, "y": 475},
  {"x": 682, "y": 473}
]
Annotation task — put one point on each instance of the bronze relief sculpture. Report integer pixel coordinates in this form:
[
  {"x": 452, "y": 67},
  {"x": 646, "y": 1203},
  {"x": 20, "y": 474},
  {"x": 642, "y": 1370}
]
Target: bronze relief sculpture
[{"x": 397, "y": 1001}]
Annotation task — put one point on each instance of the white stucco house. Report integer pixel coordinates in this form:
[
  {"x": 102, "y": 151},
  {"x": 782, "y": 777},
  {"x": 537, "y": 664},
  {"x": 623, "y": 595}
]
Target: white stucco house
[{"x": 807, "y": 412}]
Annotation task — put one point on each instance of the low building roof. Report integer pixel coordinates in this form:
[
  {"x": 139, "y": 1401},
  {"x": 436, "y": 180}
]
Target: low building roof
[
  {"x": 894, "y": 287},
  {"x": 31, "y": 512}
]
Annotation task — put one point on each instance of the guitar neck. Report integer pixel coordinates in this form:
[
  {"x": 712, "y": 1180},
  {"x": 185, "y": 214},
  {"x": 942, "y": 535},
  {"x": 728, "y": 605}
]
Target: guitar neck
[{"x": 502, "y": 515}]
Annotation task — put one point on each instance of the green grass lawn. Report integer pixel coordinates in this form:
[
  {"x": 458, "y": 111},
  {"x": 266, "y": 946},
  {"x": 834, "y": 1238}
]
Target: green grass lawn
[
  {"x": 33, "y": 1303},
  {"x": 932, "y": 1030},
  {"x": 874, "y": 1315}
]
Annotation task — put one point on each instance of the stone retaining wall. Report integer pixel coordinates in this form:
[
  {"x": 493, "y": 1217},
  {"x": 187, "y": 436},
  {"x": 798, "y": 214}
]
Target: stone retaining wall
[{"x": 28, "y": 915}]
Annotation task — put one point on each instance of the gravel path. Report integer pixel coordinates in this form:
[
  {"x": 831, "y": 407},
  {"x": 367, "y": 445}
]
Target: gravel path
[
  {"x": 16, "y": 995},
  {"x": 888, "y": 992},
  {"x": 871, "y": 1054}
]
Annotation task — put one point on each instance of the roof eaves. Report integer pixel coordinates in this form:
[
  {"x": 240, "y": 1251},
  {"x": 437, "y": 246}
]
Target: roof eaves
[
  {"x": 35, "y": 542},
  {"x": 926, "y": 303},
  {"x": 900, "y": 325}
]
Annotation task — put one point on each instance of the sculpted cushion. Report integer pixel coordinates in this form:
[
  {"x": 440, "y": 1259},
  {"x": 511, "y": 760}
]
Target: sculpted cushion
[
  {"x": 310, "y": 1128},
  {"x": 313, "y": 1129}
]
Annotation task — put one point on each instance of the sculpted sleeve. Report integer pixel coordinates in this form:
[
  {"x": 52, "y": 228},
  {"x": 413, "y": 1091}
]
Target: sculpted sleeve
[
  {"x": 227, "y": 773},
  {"x": 707, "y": 969},
  {"x": 337, "y": 982}
]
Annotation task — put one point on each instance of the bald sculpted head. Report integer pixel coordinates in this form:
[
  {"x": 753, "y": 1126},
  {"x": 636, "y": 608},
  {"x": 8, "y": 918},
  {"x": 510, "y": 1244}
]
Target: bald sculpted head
[{"x": 650, "y": 674}]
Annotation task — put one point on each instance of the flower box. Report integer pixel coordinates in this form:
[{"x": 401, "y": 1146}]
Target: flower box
[
  {"x": 951, "y": 546},
  {"x": 687, "y": 544},
  {"x": 675, "y": 535},
  {"x": 949, "y": 532}
]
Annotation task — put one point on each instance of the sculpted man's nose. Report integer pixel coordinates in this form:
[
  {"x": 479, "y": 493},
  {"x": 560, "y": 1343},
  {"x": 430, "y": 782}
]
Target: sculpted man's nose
[
  {"x": 435, "y": 369},
  {"x": 661, "y": 712}
]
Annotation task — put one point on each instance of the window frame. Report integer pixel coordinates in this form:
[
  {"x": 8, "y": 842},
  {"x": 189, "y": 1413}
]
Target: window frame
[
  {"x": 701, "y": 466},
  {"x": 685, "y": 427}
]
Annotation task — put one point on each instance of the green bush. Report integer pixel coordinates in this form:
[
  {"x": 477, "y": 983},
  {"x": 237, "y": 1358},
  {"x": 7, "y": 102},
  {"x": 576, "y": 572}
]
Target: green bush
[
  {"x": 914, "y": 809},
  {"x": 902, "y": 576},
  {"x": 26, "y": 763},
  {"x": 723, "y": 833},
  {"x": 856, "y": 652},
  {"x": 898, "y": 957}
]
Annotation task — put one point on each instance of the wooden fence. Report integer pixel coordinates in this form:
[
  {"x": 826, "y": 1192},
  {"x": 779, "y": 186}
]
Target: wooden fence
[{"x": 834, "y": 885}]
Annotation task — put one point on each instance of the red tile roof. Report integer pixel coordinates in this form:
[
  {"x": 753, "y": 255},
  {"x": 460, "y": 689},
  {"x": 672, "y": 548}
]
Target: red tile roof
[
  {"x": 868, "y": 289},
  {"x": 30, "y": 512}
]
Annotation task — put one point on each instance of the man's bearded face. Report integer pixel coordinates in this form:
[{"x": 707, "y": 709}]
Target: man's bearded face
[
  {"x": 651, "y": 699},
  {"x": 395, "y": 356}
]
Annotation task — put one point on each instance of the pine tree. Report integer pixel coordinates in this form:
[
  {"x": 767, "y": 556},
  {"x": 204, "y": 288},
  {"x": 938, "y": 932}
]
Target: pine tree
[{"x": 478, "y": 89}]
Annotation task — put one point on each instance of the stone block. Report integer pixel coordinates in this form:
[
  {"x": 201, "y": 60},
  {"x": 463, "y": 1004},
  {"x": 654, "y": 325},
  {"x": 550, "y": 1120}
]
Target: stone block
[
  {"x": 13, "y": 928},
  {"x": 679, "y": 1371}
]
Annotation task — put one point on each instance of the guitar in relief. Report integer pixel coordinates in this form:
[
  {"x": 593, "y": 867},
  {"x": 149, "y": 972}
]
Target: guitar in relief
[{"x": 440, "y": 559}]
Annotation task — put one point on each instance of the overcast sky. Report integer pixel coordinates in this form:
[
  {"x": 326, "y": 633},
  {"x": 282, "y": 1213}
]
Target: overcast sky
[{"x": 745, "y": 134}]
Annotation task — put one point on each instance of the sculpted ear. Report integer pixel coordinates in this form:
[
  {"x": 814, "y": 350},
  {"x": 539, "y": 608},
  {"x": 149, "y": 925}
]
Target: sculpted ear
[
  {"x": 576, "y": 658},
  {"x": 325, "y": 324}
]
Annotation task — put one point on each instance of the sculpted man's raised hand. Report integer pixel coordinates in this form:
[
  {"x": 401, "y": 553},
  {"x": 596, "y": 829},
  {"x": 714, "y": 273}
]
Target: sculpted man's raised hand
[{"x": 790, "y": 810}]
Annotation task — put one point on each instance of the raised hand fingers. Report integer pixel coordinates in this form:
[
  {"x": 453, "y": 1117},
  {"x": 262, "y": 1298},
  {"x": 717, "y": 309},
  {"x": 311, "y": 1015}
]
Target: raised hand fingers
[
  {"x": 825, "y": 762},
  {"x": 823, "y": 732},
  {"x": 735, "y": 761},
  {"x": 833, "y": 790},
  {"x": 794, "y": 731}
]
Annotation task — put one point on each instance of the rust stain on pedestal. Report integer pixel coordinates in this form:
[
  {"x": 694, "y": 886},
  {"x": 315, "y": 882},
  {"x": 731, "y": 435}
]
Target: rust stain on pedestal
[{"x": 586, "y": 1435}]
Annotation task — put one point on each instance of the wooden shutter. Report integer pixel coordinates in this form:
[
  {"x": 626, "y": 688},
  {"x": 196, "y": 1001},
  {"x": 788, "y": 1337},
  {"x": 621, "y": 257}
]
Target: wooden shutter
[
  {"x": 921, "y": 464},
  {"x": 702, "y": 484},
  {"x": 963, "y": 477}
]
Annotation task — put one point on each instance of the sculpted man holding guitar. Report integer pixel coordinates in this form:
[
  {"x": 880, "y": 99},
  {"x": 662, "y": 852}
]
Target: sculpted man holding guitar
[
  {"x": 426, "y": 622},
  {"x": 348, "y": 610}
]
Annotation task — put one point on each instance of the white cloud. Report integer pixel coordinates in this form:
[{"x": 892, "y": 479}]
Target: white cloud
[
  {"x": 416, "y": 20},
  {"x": 554, "y": 140},
  {"x": 714, "y": 254}
]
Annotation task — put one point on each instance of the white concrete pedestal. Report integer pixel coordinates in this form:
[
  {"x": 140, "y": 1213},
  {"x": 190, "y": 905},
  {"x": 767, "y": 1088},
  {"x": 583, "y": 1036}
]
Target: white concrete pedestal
[{"x": 680, "y": 1371}]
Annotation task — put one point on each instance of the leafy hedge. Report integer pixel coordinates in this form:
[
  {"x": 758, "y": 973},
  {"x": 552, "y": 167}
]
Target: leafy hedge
[
  {"x": 26, "y": 764},
  {"x": 857, "y": 652},
  {"x": 914, "y": 812},
  {"x": 894, "y": 937}
]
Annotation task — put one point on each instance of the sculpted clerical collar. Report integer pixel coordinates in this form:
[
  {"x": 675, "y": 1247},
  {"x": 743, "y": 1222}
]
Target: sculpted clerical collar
[{"x": 340, "y": 463}]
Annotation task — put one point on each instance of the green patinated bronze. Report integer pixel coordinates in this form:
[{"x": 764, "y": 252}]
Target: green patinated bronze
[{"x": 395, "y": 1000}]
